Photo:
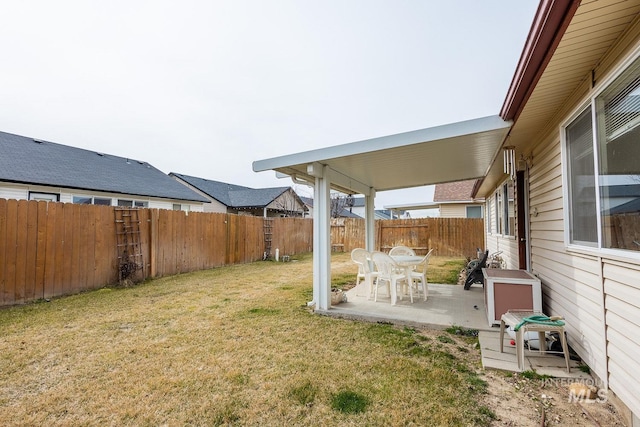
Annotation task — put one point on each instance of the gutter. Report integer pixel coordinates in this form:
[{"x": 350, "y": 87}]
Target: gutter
[{"x": 549, "y": 25}]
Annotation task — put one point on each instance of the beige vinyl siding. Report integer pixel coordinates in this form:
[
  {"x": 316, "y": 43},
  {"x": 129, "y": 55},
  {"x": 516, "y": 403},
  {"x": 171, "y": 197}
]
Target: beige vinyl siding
[
  {"x": 21, "y": 192},
  {"x": 215, "y": 206},
  {"x": 491, "y": 208},
  {"x": 153, "y": 204},
  {"x": 497, "y": 242},
  {"x": 66, "y": 198},
  {"x": 163, "y": 204},
  {"x": 288, "y": 203},
  {"x": 570, "y": 282},
  {"x": 622, "y": 303},
  {"x": 453, "y": 211},
  {"x": 509, "y": 247},
  {"x": 11, "y": 192},
  {"x": 596, "y": 290}
]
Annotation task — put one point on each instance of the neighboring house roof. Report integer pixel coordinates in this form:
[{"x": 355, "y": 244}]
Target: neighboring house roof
[
  {"x": 632, "y": 207},
  {"x": 386, "y": 214},
  {"x": 235, "y": 196},
  {"x": 454, "y": 191},
  {"x": 346, "y": 213},
  {"x": 308, "y": 201},
  {"x": 27, "y": 160}
]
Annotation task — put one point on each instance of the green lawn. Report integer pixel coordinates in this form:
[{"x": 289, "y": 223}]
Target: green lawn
[{"x": 230, "y": 346}]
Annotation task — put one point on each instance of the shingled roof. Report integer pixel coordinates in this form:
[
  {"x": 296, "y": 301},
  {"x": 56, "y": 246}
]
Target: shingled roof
[
  {"x": 454, "y": 191},
  {"x": 235, "y": 196},
  {"x": 27, "y": 160}
]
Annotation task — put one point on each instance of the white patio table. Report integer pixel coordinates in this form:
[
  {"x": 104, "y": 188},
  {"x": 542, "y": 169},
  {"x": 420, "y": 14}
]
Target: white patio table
[{"x": 408, "y": 262}]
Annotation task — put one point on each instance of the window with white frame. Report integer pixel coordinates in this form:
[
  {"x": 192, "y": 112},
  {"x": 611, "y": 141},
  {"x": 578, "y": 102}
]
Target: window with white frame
[
  {"x": 499, "y": 211},
  {"x": 474, "y": 211},
  {"x": 101, "y": 201},
  {"x": 82, "y": 200},
  {"x": 488, "y": 220},
  {"x": 582, "y": 191},
  {"x": 510, "y": 208},
  {"x": 132, "y": 203},
  {"x": 181, "y": 207},
  {"x": 603, "y": 167},
  {"x": 89, "y": 200},
  {"x": 505, "y": 209},
  {"x": 47, "y": 197}
]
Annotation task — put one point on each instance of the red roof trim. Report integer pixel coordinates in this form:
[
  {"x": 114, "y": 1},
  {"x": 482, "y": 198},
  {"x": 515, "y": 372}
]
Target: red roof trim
[{"x": 550, "y": 22}]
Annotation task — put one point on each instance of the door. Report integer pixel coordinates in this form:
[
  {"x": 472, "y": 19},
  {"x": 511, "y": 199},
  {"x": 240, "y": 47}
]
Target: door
[{"x": 523, "y": 216}]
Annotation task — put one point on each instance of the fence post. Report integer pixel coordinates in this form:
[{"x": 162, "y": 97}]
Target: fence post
[{"x": 153, "y": 242}]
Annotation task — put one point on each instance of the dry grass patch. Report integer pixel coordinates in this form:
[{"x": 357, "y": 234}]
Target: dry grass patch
[{"x": 230, "y": 346}]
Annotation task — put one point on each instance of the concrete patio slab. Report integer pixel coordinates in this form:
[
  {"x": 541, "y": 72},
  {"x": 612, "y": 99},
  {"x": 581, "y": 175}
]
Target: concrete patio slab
[
  {"x": 449, "y": 305},
  {"x": 446, "y": 305}
]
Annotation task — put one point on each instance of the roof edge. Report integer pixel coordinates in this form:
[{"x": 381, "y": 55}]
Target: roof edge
[
  {"x": 549, "y": 25},
  {"x": 449, "y": 130}
]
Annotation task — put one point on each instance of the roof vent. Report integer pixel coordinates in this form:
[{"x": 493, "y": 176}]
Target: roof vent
[
  {"x": 100, "y": 154},
  {"x": 38, "y": 141}
]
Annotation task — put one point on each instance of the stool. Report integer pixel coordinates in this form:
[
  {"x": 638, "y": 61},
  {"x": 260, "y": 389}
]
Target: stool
[{"x": 513, "y": 318}]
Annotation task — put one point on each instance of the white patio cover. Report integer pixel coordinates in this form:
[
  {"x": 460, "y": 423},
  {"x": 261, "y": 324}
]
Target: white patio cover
[{"x": 452, "y": 152}]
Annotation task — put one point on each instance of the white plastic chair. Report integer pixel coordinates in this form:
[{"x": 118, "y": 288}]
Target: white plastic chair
[
  {"x": 419, "y": 276},
  {"x": 390, "y": 273},
  {"x": 363, "y": 259},
  {"x": 401, "y": 250}
]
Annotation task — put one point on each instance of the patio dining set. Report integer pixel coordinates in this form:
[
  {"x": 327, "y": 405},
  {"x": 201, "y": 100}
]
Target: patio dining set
[{"x": 401, "y": 272}]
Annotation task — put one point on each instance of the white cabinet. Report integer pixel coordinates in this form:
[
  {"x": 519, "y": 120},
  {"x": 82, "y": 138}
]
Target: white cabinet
[{"x": 506, "y": 290}]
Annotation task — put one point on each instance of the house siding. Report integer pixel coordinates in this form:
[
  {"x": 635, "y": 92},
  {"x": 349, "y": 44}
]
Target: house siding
[
  {"x": 21, "y": 192},
  {"x": 7, "y": 192},
  {"x": 507, "y": 245},
  {"x": 287, "y": 203},
  {"x": 571, "y": 284},
  {"x": 215, "y": 206},
  {"x": 597, "y": 291},
  {"x": 622, "y": 311},
  {"x": 453, "y": 211}
]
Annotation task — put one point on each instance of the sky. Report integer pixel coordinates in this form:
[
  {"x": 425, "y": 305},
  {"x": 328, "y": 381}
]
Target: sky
[{"x": 206, "y": 87}]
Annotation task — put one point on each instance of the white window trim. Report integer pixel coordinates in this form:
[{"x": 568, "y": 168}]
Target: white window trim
[
  {"x": 93, "y": 199},
  {"x": 590, "y": 100},
  {"x": 43, "y": 193}
]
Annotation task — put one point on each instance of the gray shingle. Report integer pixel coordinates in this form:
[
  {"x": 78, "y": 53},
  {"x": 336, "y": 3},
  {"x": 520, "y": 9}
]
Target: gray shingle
[
  {"x": 235, "y": 196},
  {"x": 29, "y": 161}
]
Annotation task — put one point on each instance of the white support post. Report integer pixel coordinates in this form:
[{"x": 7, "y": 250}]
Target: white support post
[
  {"x": 322, "y": 241},
  {"x": 370, "y": 221}
]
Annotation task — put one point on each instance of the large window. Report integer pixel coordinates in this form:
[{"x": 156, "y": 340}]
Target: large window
[
  {"x": 582, "y": 191},
  {"x": 505, "y": 209},
  {"x": 509, "y": 208},
  {"x": 604, "y": 167}
]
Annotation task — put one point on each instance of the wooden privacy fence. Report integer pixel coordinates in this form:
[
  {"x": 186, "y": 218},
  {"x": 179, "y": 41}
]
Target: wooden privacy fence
[
  {"x": 446, "y": 236},
  {"x": 52, "y": 249}
]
